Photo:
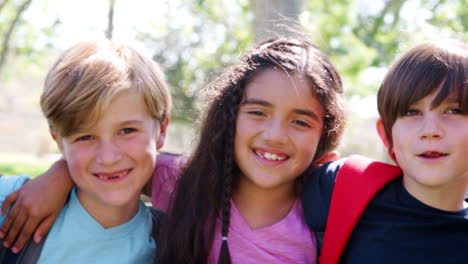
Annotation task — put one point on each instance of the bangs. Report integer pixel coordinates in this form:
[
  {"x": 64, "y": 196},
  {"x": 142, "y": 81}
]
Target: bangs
[
  {"x": 432, "y": 74},
  {"x": 454, "y": 88}
]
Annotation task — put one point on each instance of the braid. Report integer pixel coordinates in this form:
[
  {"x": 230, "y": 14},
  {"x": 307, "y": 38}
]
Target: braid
[{"x": 232, "y": 104}]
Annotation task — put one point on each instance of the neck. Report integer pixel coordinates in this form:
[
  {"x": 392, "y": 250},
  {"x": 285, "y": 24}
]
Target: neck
[
  {"x": 263, "y": 207},
  {"x": 448, "y": 198},
  {"x": 108, "y": 215}
]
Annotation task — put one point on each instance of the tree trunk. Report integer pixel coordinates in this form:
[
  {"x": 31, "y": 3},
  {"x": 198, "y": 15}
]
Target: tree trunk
[
  {"x": 273, "y": 18},
  {"x": 7, "y": 36},
  {"x": 110, "y": 20},
  {"x": 3, "y": 4}
]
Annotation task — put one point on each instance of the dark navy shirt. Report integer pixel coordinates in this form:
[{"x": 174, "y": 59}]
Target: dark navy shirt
[{"x": 394, "y": 228}]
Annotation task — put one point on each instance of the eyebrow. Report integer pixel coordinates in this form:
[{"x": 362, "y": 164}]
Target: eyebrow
[
  {"x": 130, "y": 122},
  {"x": 295, "y": 110}
]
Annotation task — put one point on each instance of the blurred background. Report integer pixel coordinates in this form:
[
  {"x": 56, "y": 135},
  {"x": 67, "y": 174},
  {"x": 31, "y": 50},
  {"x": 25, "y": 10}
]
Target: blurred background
[{"x": 193, "y": 41}]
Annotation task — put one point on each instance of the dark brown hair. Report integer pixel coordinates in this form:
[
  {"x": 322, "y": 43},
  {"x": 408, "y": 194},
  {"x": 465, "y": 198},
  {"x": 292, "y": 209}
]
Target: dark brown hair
[
  {"x": 204, "y": 189},
  {"x": 421, "y": 71}
]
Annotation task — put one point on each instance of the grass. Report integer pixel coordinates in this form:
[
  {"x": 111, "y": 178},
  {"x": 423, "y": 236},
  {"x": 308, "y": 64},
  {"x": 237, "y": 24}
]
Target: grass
[{"x": 15, "y": 164}]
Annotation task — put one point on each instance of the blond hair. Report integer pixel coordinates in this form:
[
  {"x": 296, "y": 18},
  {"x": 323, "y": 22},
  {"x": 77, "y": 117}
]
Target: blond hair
[{"x": 86, "y": 77}]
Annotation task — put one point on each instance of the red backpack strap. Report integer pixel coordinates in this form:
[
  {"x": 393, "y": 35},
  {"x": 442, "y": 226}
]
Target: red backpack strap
[{"x": 357, "y": 181}]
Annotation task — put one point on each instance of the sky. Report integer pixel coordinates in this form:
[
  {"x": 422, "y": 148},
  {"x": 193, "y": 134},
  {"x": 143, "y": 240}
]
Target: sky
[{"x": 87, "y": 19}]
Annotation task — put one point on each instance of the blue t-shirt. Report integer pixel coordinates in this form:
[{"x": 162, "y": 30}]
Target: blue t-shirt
[{"x": 76, "y": 237}]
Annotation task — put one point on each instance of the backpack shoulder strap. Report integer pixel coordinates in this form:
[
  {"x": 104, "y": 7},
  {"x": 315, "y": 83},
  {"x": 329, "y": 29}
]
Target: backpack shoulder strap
[
  {"x": 28, "y": 255},
  {"x": 357, "y": 181},
  {"x": 156, "y": 218}
]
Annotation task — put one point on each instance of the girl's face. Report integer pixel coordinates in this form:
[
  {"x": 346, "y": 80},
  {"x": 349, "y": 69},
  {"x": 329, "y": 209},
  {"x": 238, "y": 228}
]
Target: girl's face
[{"x": 278, "y": 128}]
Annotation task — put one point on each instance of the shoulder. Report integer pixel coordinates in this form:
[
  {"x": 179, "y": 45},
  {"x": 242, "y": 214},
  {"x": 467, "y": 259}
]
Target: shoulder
[
  {"x": 9, "y": 184},
  {"x": 317, "y": 193},
  {"x": 165, "y": 175},
  {"x": 168, "y": 167},
  {"x": 323, "y": 177}
]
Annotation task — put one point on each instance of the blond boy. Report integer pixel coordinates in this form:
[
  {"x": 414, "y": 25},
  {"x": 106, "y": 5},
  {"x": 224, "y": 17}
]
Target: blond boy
[{"x": 108, "y": 108}]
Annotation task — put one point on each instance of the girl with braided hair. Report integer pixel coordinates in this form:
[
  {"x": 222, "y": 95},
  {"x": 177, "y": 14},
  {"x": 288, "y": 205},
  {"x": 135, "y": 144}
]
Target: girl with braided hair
[{"x": 273, "y": 116}]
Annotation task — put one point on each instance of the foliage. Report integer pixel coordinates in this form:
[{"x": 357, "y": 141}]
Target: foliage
[
  {"x": 32, "y": 170},
  {"x": 21, "y": 39},
  {"x": 194, "y": 40},
  {"x": 193, "y": 43},
  {"x": 361, "y": 35},
  {"x": 198, "y": 38}
]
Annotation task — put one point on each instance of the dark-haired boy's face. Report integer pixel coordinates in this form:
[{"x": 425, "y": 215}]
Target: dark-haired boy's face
[{"x": 431, "y": 146}]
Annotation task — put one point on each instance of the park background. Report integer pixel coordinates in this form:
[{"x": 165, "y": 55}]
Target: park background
[{"x": 193, "y": 41}]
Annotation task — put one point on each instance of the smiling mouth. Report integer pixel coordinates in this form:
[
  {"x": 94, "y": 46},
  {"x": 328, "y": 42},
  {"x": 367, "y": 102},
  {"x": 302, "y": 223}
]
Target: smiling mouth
[
  {"x": 113, "y": 175},
  {"x": 432, "y": 154},
  {"x": 271, "y": 156}
]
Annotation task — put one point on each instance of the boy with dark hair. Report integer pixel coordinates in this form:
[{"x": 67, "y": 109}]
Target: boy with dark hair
[{"x": 420, "y": 217}]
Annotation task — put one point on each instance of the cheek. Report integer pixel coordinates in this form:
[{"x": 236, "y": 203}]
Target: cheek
[
  {"x": 142, "y": 149},
  {"x": 78, "y": 159},
  {"x": 308, "y": 145},
  {"x": 242, "y": 131}
]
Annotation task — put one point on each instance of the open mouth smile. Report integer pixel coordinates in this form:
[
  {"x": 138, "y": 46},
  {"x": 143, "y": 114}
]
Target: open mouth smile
[
  {"x": 271, "y": 156},
  {"x": 113, "y": 176}
]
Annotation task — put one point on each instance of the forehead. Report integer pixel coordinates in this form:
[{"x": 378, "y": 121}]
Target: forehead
[
  {"x": 282, "y": 90},
  {"x": 274, "y": 81},
  {"x": 125, "y": 107}
]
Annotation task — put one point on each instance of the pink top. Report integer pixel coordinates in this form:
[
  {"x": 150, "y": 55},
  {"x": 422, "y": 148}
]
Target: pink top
[
  {"x": 287, "y": 241},
  {"x": 164, "y": 179}
]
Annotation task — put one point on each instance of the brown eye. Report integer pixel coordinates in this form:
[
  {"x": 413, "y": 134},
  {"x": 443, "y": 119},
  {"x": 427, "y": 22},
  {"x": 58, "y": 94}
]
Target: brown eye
[
  {"x": 412, "y": 112},
  {"x": 84, "y": 138},
  {"x": 301, "y": 123},
  {"x": 455, "y": 111},
  {"x": 256, "y": 112},
  {"x": 127, "y": 130}
]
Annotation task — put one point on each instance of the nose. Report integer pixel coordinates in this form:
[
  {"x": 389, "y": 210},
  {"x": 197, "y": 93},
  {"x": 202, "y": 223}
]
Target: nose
[
  {"x": 431, "y": 127},
  {"x": 108, "y": 153},
  {"x": 275, "y": 132}
]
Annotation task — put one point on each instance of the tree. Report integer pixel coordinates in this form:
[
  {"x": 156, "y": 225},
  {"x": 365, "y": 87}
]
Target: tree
[
  {"x": 194, "y": 50},
  {"x": 276, "y": 18},
  {"x": 110, "y": 19},
  {"x": 10, "y": 27}
]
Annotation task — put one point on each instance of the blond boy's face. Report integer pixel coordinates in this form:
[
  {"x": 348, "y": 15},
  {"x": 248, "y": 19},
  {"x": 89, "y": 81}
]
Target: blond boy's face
[
  {"x": 431, "y": 146},
  {"x": 111, "y": 161}
]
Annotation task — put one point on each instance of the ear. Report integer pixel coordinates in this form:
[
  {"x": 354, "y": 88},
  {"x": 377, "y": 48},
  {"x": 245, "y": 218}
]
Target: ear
[
  {"x": 52, "y": 134},
  {"x": 384, "y": 138},
  {"x": 382, "y": 134},
  {"x": 56, "y": 139},
  {"x": 327, "y": 157},
  {"x": 162, "y": 133}
]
